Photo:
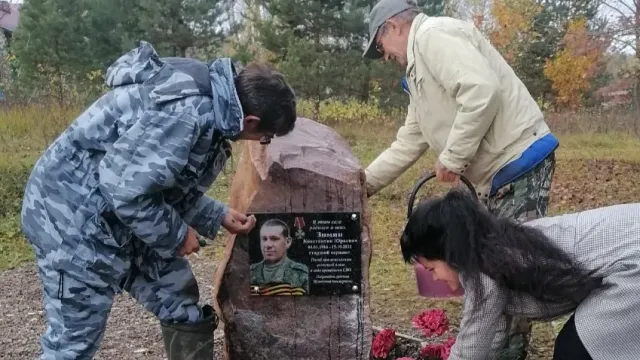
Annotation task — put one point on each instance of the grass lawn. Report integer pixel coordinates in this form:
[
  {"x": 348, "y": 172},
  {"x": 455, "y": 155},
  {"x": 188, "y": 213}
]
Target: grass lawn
[{"x": 592, "y": 171}]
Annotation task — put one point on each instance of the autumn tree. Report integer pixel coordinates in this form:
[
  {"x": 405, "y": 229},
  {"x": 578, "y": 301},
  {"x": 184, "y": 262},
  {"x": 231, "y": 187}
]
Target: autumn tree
[
  {"x": 513, "y": 28},
  {"x": 576, "y": 64},
  {"x": 527, "y": 32}
]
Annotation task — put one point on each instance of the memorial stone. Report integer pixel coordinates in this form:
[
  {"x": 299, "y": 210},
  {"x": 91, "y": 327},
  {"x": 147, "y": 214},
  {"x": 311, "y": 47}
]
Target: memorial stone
[{"x": 297, "y": 286}]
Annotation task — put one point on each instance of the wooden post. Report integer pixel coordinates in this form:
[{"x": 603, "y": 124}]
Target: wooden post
[{"x": 308, "y": 174}]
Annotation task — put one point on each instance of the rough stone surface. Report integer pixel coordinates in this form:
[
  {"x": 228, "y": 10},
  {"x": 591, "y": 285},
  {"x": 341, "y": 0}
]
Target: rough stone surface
[{"x": 310, "y": 170}]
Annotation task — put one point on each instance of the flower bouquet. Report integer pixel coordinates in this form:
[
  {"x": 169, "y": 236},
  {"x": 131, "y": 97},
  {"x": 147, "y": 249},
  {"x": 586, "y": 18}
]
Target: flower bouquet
[{"x": 388, "y": 346}]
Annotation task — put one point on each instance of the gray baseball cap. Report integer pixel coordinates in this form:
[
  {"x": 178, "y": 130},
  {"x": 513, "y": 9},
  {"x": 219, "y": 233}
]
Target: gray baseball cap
[{"x": 381, "y": 12}]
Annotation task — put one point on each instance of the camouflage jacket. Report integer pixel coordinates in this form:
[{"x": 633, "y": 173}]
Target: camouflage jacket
[
  {"x": 287, "y": 272},
  {"x": 135, "y": 164}
]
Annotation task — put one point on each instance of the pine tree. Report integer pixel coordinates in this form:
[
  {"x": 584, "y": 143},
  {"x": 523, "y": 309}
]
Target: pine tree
[
  {"x": 433, "y": 7},
  {"x": 51, "y": 45},
  {"x": 318, "y": 44},
  {"x": 174, "y": 26},
  {"x": 63, "y": 47}
]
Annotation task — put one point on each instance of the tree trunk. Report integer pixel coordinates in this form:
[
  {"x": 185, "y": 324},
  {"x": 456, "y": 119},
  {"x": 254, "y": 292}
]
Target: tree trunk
[{"x": 636, "y": 96}]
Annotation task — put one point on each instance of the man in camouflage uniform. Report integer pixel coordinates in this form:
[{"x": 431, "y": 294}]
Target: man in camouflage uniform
[
  {"x": 468, "y": 105},
  {"x": 114, "y": 204},
  {"x": 277, "y": 269}
]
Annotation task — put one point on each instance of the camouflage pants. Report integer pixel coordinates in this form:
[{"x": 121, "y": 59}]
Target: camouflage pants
[
  {"x": 77, "y": 312},
  {"x": 525, "y": 199}
]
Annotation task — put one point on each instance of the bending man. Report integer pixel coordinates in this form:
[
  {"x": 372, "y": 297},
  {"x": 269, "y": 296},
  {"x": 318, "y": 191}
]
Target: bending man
[
  {"x": 468, "y": 105},
  {"x": 116, "y": 201}
]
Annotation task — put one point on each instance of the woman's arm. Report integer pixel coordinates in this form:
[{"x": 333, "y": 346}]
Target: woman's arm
[{"x": 484, "y": 326}]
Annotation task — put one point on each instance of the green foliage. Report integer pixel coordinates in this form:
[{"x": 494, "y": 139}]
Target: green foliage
[
  {"x": 14, "y": 177},
  {"x": 14, "y": 249},
  {"x": 54, "y": 46},
  {"x": 32, "y": 128},
  {"x": 22, "y": 138},
  {"x": 18, "y": 151},
  {"x": 6, "y": 57},
  {"x": 174, "y": 26},
  {"x": 321, "y": 51},
  {"x": 25, "y": 131},
  {"x": 368, "y": 127},
  {"x": 63, "y": 48},
  {"x": 433, "y": 7},
  {"x": 352, "y": 112}
]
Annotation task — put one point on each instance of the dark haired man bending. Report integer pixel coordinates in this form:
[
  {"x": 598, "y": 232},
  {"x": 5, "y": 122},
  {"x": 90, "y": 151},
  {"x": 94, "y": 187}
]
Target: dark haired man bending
[{"x": 116, "y": 201}]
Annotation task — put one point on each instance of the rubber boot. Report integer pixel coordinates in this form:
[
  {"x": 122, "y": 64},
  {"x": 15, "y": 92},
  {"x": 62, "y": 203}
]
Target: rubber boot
[{"x": 191, "y": 341}]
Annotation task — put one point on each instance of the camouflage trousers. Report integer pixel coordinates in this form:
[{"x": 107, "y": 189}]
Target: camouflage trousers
[
  {"x": 525, "y": 199},
  {"x": 77, "y": 312}
]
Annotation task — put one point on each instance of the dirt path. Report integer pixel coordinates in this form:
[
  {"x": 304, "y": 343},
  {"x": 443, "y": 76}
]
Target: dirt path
[{"x": 132, "y": 332}]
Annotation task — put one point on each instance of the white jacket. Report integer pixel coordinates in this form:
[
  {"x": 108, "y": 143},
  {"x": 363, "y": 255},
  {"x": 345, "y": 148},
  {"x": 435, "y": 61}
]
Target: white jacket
[
  {"x": 466, "y": 103},
  {"x": 607, "y": 242}
]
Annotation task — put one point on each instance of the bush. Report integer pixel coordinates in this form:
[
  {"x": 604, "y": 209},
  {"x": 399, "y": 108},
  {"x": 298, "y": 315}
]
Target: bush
[
  {"x": 25, "y": 131},
  {"x": 351, "y": 112},
  {"x": 14, "y": 177},
  {"x": 14, "y": 173},
  {"x": 32, "y": 127}
]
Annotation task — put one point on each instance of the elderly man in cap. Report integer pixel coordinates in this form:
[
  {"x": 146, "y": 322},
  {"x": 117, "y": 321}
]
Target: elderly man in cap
[{"x": 468, "y": 105}]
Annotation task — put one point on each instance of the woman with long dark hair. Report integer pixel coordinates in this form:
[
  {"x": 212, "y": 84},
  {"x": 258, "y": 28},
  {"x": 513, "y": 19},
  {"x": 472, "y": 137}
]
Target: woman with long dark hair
[{"x": 587, "y": 263}]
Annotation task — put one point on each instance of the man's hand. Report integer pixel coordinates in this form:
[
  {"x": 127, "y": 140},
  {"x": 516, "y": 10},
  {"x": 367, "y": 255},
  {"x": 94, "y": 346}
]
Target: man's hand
[
  {"x": 191, "y": 243},
  {"x": 236, "y": 222},
  {"x": 445, "y": 175}
]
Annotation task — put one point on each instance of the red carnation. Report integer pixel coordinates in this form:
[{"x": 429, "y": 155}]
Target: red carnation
[
  {"x": 431, "y": 352},
  {"x": 446, "y": 349},
  {"x": 432, "y": 322},
  {"x": 383, "y": 343},
  {"x": 406, "y": 358}
]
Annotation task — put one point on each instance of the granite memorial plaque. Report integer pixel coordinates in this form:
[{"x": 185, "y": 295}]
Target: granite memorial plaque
[{"x": 305, "y": 254}]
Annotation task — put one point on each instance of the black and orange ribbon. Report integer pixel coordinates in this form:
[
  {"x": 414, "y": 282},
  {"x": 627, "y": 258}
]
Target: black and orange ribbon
[{"x": 282, "y": 289}]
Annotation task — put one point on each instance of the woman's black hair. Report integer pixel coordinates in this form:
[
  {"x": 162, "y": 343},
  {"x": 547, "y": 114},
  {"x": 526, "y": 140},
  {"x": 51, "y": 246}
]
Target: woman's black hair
[
  {"x": 264, "y": 93},
  {"x": 456, "y": 229}
]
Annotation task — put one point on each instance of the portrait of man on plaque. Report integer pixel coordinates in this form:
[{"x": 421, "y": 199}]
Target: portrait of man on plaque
[{"x": 277, "y": 261}]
